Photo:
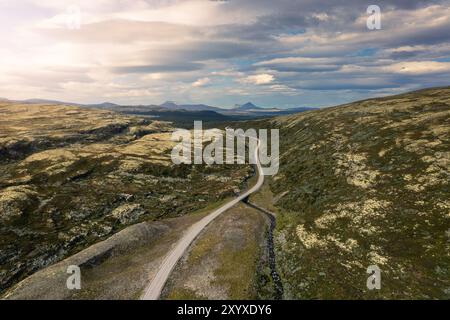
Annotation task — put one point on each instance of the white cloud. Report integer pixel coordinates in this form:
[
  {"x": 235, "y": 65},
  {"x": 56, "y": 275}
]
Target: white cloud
[
  {"x": 321, "y": 16},
  {"x": 201, "y": 82},
  {"x": 419, "y": 67},
  {"x": 259, "y": 79}
]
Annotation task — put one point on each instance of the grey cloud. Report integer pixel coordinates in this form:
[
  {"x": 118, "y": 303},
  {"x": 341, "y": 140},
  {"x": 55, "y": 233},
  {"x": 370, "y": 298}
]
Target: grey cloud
[
  {"x": 302, "y": 65},
  {"x": 311, "y": 68},
  {"x": 346, "y": 84},
  {"x": 206, "y": 50}
]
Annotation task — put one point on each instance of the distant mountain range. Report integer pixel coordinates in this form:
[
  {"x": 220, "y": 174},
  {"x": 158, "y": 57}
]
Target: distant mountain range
[
  {"x": 171, "y": 111},
  {"x": 170, "y": 105}
]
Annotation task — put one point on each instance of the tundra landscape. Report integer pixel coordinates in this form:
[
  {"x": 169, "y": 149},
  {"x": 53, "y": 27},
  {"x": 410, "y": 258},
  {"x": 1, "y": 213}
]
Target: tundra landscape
[
  {"x": 252, "y": 151},
  {"x": 71, "y": 177},
  {"x": 359, "y": 184}
]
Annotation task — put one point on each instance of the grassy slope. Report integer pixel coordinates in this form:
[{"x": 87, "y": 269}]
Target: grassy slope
[{"x": 362, "y": 184}]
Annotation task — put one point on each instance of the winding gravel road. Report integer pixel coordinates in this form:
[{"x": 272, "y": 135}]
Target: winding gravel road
[{"x": 153, "y": 290}]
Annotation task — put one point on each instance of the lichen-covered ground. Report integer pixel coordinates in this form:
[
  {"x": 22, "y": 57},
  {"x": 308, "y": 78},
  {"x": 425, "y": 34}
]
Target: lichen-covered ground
[
  {"x": 119, "y": 267},
  {"x": 70, "y": 177},
  {"x": 365, "y": 184},
  {"x": 361, "y": 184}
]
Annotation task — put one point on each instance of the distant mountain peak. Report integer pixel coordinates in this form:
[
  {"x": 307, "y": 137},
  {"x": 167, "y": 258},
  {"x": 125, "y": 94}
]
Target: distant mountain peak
[
  {"x": 248, "y": 106},
  {"x": 168, "y": 104}
]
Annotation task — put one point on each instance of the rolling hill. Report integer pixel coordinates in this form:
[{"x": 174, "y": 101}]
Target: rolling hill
[
  {"x": 71, "y": 176},
  {"x": 366, "y": 183}
]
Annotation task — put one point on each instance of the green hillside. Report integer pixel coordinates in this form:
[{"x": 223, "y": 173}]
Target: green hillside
[{"x": 363, "y": 184}]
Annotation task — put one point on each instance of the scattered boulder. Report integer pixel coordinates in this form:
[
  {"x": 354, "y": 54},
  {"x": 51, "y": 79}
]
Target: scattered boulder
[
  {"x": 15, "y": 200},
  {"x": 126, "y": 197},
  {"x": 167, "y": 198},
  {"x": 128, "y": 213}
]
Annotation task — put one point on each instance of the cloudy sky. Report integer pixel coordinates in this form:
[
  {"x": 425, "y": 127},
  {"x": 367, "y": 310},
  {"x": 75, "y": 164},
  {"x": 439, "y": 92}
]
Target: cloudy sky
[{"x": 273, "y": 53}]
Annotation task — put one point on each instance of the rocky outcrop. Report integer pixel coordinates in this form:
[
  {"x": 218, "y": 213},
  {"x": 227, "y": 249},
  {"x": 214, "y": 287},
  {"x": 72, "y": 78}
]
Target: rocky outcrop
[
  {"x": 128, "y": 213},
  {"x": 15, "y": 200}
]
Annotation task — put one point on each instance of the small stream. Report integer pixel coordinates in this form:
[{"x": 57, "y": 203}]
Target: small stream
[{"x": 271, "y": 248}]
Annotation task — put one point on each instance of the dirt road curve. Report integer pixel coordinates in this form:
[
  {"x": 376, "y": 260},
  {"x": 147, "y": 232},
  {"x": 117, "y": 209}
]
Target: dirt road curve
[{"x": 153, "y": 290}]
